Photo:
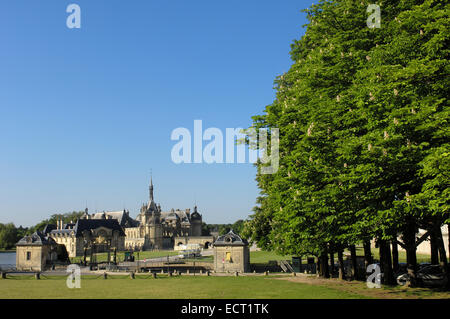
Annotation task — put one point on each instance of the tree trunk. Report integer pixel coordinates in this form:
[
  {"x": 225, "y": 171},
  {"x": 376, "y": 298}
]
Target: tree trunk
[
  {"x": 434, "y": 248},
  {"x": 368, "y": 260},
  {"x": 389, "y": 274},
  {"x": 386, "y": 262},
  {"x": 409, "y": 238},
  {"x": 331, "y": 263},
  {"x": 448, "y": 235},
  {"x": 325, "y": 273},
  {"x": 324, "y": 266},
  {"x": 354, "y": 263},
  {"x": 441, "y": 248},
  {"x": 395, "y": 265},
  {"x": 319, "y": 266},
  {"x": 341, "y": 265}
]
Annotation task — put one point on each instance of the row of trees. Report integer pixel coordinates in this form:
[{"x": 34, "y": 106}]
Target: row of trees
[
  {"x": 364, "y": 136},
  {"x": 9, "y": 235}
]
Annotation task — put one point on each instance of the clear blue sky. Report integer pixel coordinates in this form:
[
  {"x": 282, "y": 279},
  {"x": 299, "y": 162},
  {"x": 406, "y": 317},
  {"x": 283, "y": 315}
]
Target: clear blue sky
[{"x": 85, "y": 114}]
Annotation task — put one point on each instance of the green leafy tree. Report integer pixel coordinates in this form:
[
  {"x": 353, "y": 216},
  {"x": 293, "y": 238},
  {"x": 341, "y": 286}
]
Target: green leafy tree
[
  {"x": 363, "y": 126},
  {"x": 8, "y": 236}
]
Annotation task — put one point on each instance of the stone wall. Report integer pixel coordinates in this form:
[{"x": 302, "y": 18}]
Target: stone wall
[
  {"x": 38, "y": 257},
  {"x": 232, "y": 258}
]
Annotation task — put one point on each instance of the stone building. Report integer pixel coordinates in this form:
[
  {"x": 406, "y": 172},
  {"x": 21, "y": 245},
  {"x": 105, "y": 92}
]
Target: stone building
[
  {"x": 103, "y": 234},
  {"x": 231, "y": 253},
  {"x": 152, "y": 229},
  {"x": 35, "y": 252},
  {"x": 155, "y": 229}
]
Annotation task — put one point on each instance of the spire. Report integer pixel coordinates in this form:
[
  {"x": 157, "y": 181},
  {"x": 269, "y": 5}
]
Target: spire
[{"x": 151, "y": 189}]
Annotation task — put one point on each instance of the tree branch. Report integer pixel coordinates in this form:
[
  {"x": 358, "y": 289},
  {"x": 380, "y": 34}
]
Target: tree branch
[{"x": 422, "y": 238}]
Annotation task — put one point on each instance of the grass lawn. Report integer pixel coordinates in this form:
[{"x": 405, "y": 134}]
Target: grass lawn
[
  {"x": 184, "y": 287},
  {"x": 263, "y": 257},
  {"x": 421, "y": 258}
]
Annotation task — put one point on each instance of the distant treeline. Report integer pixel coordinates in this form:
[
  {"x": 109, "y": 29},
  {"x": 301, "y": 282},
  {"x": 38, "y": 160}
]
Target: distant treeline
[
  {"x": 222, "y": 229},
  {"x": 10, "y": 234}
]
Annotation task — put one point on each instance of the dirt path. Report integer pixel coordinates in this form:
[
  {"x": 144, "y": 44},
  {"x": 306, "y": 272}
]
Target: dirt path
[{"x": 361, "y": 288}]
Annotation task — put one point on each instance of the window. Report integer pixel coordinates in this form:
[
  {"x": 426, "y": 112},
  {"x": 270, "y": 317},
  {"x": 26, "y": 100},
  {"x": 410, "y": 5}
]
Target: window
[
  {"x": 28, "y": 255},
  {"x": 228, "y": 256}
]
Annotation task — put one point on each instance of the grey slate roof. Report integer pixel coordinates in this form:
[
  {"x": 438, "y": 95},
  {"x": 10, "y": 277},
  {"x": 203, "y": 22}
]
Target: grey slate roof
[
  {"x": 36, "y": 239},
  {"x": 88, "y": 224},
  {"x": 230, "y": 239},
  {"x": 175, "y": 214},
  {"x": 122, "y": 217}
]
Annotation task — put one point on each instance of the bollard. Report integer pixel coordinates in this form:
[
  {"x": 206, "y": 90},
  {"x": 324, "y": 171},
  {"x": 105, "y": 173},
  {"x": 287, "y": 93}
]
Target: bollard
[
  {"x": 132, "y": 275},
  {"x": 162, "y": 271},
  {"x": 236, "y": 274},
  {"x": 37, "y": 275},
  {"x": 187, "y": 272},
  {"x": 105, "y": 276},
  {"x": 254, "y": 271},
  {"x": 154, "y": 275}
]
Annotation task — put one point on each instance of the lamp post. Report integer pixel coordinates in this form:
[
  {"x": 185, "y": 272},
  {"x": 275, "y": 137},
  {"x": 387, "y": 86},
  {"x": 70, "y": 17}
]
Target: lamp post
[
  {"x": 138, "y": 260},
  {"x": 168, "y": 269}
]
